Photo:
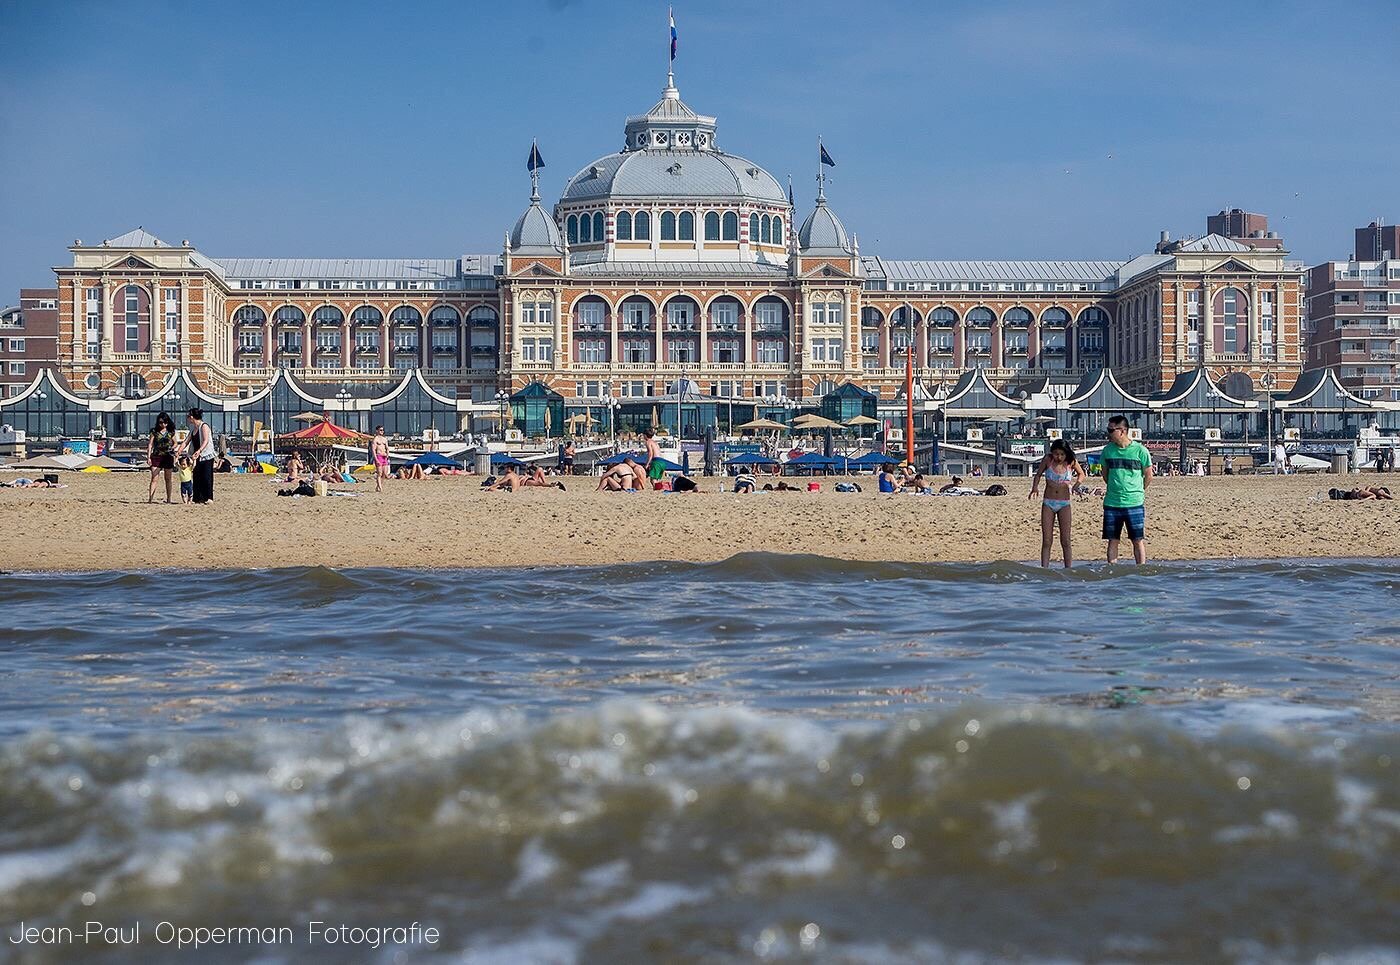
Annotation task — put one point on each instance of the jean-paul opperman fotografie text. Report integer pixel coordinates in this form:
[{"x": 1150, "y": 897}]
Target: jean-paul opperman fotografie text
[{"x": 176, "y": 935}]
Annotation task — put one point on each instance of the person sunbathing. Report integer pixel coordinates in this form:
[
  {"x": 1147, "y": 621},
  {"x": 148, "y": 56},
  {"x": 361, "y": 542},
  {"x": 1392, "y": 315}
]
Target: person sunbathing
[
  {"x": 629, "y": 476},
  {"x": 1361, "y": 492},
  {"x": 412, "y": 472},
  {"x": 509, "y": 480}
]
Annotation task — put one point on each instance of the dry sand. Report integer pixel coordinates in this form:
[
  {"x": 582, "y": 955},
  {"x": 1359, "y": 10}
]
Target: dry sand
[{"x": 102, "y": 521}]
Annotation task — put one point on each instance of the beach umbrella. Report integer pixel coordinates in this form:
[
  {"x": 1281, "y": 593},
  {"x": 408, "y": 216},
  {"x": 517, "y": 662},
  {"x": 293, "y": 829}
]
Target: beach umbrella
[
  {"x": 94, "y": 469},
  {"x": 431, "y": 460},
  {"x": 862, "y": 420},
  {"x": 322, "y": 433},
  {"x": 813, "y": 421},
  {"x": 655, "y": 416},
  {"x": 762, "y": 424},
  {"x": 309, "y": 417},
  {"x": 39, "y": 462}
]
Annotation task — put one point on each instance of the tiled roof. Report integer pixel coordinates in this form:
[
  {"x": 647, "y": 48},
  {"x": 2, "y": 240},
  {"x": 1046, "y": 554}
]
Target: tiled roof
[
  {"x": 136, "y": 238},
  {"x": 419, "y": 269},
  {"x": 1082, "y": 271},
  {"x": 678, "y": 268}
]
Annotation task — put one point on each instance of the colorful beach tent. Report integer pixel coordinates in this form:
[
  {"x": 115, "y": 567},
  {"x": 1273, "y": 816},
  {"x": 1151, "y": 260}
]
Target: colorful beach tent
[
  {"x": 434, "y": 460},
  {"x": 322, "y": 433}
]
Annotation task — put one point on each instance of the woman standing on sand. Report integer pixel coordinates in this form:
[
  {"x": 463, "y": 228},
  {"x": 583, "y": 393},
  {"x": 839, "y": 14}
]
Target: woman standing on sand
[
  {"x": 160, "y": 455},
  {"x": 379, "y": 452},
  {"x": 200, "y": 447}
]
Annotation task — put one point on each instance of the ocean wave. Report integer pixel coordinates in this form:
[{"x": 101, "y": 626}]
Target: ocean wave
[{"x": 629, "y": 831}]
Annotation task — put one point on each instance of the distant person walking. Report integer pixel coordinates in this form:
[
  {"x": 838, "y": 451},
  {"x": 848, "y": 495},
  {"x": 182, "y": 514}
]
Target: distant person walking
[
  {"x": 379, "y": 452},
  {"x": 1061, "y": 471},
  {"x": 160, "y": 455},
  {"x": 1281, "y": 461},
  {"x": 1127, "y": 471},
  {"x": 200, "y": 447}
]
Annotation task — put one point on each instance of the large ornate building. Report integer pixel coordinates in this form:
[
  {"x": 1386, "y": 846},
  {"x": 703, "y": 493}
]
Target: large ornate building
[{"x": 673, "y": 260}]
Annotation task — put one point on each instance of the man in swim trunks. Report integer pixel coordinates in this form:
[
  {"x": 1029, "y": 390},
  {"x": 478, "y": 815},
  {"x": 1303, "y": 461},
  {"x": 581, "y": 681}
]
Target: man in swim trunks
[
  {"x": 379, "y": 450},
  {"x": 654, "y": 467},
  {"x": 1127, "y": 472}
]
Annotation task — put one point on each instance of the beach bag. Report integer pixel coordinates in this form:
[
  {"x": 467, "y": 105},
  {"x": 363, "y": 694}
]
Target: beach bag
[{"x": 995, "y": 489}]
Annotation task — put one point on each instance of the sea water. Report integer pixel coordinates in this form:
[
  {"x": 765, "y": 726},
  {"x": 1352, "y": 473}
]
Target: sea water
[{"x": 769, "y": 758}]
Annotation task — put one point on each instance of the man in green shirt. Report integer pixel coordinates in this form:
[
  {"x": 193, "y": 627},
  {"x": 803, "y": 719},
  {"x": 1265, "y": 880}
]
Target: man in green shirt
[{"x": 1127, "y": 471}]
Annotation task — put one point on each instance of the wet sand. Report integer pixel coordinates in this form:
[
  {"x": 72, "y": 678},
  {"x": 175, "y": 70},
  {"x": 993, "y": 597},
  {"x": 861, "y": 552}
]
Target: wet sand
[{"x": 103, "y": 522}]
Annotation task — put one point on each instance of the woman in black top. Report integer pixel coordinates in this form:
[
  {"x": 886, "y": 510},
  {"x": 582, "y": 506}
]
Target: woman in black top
[
  {"x": 200, "y": 447},
  {"x": 160, "y": 455}
]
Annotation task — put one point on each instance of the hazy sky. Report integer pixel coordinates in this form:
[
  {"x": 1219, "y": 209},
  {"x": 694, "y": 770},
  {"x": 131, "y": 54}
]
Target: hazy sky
[{"x": 960, "y": 130}]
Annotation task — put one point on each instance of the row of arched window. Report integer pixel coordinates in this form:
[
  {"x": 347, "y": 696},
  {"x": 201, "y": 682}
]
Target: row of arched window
[
  {"x": 364, "y": 315},
  {"x": 983, "y": 317},
  {"x": 584, "y": 229}
]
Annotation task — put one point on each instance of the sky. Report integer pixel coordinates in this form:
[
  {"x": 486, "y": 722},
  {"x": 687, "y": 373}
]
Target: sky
[{"x": 1000, "y": 130}]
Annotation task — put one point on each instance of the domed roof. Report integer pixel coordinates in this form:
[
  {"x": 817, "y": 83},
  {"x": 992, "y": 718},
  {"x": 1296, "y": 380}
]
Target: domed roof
[
  {"x": 671, "y": 153},
  {"x": 535, "y": 232},
  {"x": 822, "y": 232}
]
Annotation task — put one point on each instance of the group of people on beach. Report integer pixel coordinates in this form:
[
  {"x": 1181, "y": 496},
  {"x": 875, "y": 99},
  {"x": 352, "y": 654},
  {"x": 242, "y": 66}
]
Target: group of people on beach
[{"x": 192, "y": 458}]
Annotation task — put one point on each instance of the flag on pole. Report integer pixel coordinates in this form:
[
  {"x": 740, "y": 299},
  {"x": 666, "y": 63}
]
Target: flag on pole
[
  {"x": 536, "y": 162},
  {"x": 672, "y": 16},
  {"x": 825, "y": 158},
  {"x": 791, "y": 203}
]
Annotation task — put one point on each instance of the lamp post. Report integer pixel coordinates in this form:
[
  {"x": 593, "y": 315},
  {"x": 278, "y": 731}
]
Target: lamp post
[
  {"x": 503, "y": 399},
  {"x": 1267, "y": 381}
]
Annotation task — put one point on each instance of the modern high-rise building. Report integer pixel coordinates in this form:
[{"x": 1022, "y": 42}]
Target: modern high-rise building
[{"x": 1353, "y": 316}]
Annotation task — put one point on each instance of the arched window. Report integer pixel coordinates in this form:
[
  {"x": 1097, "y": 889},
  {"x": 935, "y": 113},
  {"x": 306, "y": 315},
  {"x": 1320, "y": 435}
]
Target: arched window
[
  {"x": 367, "y": 315},
  {"x": 777, "y": 230},
  {"x": 598, "y": 233},
  {"x": 731, "y": 226},
  {"x": 981, "y": 317},
  {"x": 668, "y": 226},
  {"x": 641, "y": 226},
  {"x": 1231, "y": 321},
  {"x": 823, "y": 388},
  {"x": 443, "y": 315},
  {"x": 624, "y": 226},
  {"x": 687, "y": 225},
  {"x": 585, "y": 229},
  {"x": 328, "y": 315},
  {"x": 290, "y": 315},
  {"x": 249, "y": 315},
  {"x": 573, "y": 229},
  {"x": 1055, "y": 317},
  {"x": 712, "y": 226},
  {"x": 943, "y": 317},
  {"x": 1017, "y": 316},
  {"x": 482, "y": 315},
  {"x": 766, "y": 229},
  {"x": 871, "y": 317},
  {"x": 406, "y": 315},
  {"x": 753, "y": 229},
  {"x": 1093, "y": 316}
]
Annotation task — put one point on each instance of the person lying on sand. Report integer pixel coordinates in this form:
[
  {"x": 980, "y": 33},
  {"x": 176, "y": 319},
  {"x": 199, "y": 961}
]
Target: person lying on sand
[
  {"x": 1361, "y": 492},
  {"x": 628, "y": 476},
  {"x": 509, "y": 480}
]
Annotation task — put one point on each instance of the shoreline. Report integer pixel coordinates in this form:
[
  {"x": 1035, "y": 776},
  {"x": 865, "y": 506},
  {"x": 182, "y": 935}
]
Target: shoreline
[{"x": 102, "y": 523}]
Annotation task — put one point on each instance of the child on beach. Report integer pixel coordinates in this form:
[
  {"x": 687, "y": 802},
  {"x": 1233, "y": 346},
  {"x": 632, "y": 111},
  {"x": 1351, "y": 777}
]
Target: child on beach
[
  {"x": 186, "y": 470},
  {"x": 1061, "y": 471}
]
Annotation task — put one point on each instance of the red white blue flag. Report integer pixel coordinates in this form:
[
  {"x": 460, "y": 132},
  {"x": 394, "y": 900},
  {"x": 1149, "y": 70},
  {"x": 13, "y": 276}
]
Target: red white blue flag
[{"x": 671, "y": 14}]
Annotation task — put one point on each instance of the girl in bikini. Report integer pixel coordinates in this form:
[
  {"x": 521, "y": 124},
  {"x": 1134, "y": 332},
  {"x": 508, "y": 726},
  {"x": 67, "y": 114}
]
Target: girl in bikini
[{"x": 1061, "y": 471}]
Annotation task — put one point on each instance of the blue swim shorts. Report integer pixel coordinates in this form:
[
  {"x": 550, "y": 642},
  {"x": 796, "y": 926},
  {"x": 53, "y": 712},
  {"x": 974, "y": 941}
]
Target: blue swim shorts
[{"x": 1116, "y": 517}]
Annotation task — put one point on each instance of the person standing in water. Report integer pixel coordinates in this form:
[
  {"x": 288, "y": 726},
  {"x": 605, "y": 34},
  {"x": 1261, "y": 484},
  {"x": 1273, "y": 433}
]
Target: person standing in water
[
  {"x": 379, "y": 452},
  {"x": 1127, "y": 472},
  {"x": 1061, "y": 471}
]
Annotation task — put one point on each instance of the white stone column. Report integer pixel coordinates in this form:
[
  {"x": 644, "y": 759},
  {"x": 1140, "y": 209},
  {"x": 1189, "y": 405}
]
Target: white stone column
[
  {"x": 1180, "y": 324},
  {"x": 703, "y": 326},
  {"x": 107, "y": 339},
  {"x": 184, "y": 334},
  {"x": 1253, "y": 322},
  {"x": 1207, "y": 325}
]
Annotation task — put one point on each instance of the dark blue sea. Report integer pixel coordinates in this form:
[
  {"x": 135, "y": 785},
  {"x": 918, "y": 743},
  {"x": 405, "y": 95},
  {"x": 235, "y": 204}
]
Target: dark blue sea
[{"x": 772, "y": 758}]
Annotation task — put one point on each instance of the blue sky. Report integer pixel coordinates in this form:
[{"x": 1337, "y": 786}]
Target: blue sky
[{"x": 961, "y": 130}]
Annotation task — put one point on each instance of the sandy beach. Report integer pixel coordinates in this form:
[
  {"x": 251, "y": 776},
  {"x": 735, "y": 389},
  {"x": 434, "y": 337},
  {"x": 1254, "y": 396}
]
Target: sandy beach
[{"x": 104, "y": 522}]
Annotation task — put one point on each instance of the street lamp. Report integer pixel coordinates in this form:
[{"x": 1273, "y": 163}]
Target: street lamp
[
  {"x": 1267, "y": 381},
  {"x": 503, "y": 399}
]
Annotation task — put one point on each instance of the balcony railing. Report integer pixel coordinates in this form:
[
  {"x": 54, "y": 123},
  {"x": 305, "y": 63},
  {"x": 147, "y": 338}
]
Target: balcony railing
[
  {"x": 580, "y": 326},
  {"x": 682, "y": 327}
]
